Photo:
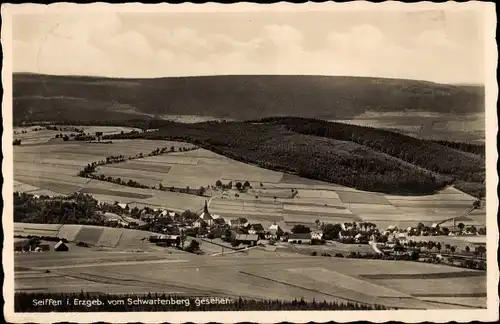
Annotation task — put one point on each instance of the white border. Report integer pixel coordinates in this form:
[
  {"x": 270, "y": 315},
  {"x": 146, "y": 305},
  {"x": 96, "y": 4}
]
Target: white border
[{"x": 409, "y": 316}]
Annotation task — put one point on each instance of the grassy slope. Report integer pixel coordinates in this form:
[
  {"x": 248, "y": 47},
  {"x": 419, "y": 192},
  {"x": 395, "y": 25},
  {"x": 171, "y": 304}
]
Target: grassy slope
[
  {"x": 232, "y": 97},
  {"x": 354, "y": 156}
]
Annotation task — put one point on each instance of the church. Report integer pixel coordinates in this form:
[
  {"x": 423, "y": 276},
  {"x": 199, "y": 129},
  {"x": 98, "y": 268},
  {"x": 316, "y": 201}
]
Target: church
[{"x": 205, "y": 217}]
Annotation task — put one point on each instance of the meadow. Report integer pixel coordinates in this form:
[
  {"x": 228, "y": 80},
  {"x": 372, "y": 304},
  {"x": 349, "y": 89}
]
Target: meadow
[
  {"x": 433, "y": 126},
  {"x": 259, "y": 275},
  {"x": 39, "y": 135},
  {"x": 52, "y": 169}
]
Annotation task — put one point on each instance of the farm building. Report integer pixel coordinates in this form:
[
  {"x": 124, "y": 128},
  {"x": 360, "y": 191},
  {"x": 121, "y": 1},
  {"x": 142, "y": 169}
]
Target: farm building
[
  {"x": 166, "y": 240},
  {"x": 300, "y": 238},
  {"x": 274, "y": 232},
  {"x": 61, "y": 247},
  {"x": 247, "y": 239},
  {"x": 256, "y": 229}
]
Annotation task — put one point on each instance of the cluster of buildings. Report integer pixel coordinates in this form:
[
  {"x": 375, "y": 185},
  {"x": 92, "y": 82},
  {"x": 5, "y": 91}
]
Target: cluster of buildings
[{"x": 32, "y": 245}]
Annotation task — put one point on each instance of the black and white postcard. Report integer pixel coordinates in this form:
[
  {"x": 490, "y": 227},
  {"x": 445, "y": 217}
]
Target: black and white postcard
[{"x": 250, "y": 163}]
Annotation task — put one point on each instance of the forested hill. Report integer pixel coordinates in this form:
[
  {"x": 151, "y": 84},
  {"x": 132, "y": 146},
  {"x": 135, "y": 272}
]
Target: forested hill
[
  {"x": 61, "y": 98},
  {"x": 359, "y": 157}
]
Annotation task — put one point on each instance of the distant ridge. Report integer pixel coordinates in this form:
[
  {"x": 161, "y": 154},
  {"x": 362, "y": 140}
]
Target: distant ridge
[{"x": 39, "y": 97}]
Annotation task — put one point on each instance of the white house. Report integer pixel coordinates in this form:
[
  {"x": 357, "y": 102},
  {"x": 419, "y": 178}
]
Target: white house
[
  {"x": 274, "y": 231},
  {"x": 317, "y": 235},
  {"x": 299, "y": 238}
]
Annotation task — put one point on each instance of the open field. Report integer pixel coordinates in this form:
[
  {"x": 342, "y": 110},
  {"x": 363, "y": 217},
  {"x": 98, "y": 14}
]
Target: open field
[
  {"x": 257, "y": 274},
  {"x": 52, "y": 169},
  {"x": 48, "y": 136},
  {"x": 119, "y": 238},
  {"x": 440, "y": 126}
]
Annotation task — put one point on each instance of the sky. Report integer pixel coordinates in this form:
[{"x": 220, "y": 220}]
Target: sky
[{"x": 438, "y": 46}]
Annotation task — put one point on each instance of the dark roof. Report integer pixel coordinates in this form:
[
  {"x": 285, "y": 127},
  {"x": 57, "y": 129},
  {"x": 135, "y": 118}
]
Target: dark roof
[
  {"x": 257, "y": 227},
  {"x": 299, "y": 236},
  {"x": 60, "y": 245}
]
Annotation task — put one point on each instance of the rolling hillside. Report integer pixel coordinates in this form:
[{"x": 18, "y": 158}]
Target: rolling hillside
[
  {"x": 65, "y": 98},
  {"x": 359, "y": 157}
]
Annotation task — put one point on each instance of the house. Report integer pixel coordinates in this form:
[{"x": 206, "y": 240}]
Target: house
[
  {"x": 123, "y": 206},
  {"x": 61, "y": 247},
  {"x": 248, "y": 239},
  {"x": 300, "y": 238},
  {"x": 256, "y": 229},
  {"x": 316, "y": 235},
  {"x": 274, "y": 232},
  {"x": 398, "y": 237}
]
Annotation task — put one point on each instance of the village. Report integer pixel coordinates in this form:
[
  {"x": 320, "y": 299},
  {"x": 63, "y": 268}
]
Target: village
[{"x": 433, "y": 243}]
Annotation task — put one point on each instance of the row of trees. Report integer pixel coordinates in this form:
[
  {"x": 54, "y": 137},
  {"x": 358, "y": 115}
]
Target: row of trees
[
  {"x": 240, "y": 186},
  {"x": 89, "y": 171}
]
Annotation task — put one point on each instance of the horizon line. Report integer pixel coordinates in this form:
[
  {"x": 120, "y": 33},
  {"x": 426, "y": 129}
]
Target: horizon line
[{"x": 241, "y": 75}]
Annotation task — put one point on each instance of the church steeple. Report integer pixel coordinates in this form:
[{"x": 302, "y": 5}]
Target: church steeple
[{"x": 205, "y": 209}]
